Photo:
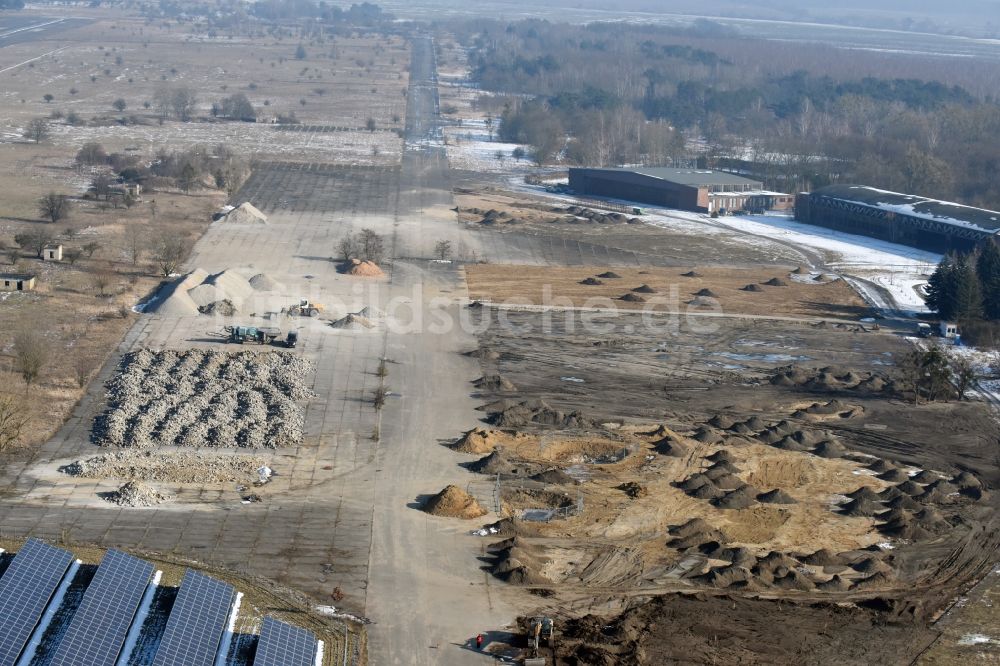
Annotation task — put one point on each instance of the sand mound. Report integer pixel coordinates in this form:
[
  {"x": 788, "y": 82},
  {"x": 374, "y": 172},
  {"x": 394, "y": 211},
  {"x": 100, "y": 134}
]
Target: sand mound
[
  {"x": 453, "y": 502},
  {"x": 263, "y": 282},
  {"x": 776, "y": 282},
  {"x": 702, "y": 302},
  {"x": 755, "y": 423},
  {"x": 925, "y": 476},
  {"x": 706, "y": 292},
  {"x": 352, "y": 322},
  {"x": 709, "y": 491},
  {"x": 880, "y": 579},
  {"x": 519, "y": 564},
  {"x": 966, "y": 480},
  {"x": 880, "y": 466},
  {"x": 644, "y": 289},
  {"x": 822, "y": 558},
  {"x": 494, "y": 383},
  {"x": 870, "y": 565},
  {"x": 134, "y": 493},
  {"x": 591, "y": 281},
  {"x": 555, "y": 477},
  {"x": 865, "y": 492},
  {"x": 721, "y": 421},
  {"x": 722, "y": 455},
  {"x": 540, "y": 413},
  {"x": 359, "y": 268},
  {"x": 835, "y": 584},
  {"x": 728, "y": 482},
  {"x": 200, "y": 293},
  {"x": 245, "y": 213},
  {"x": 477, "y": 440},
  {"x": 691, "y": 274},
  {"x": 174, "y": 299},
  {"x": 725, "y": 576},
  {"x": 830, "y": 449},
  {"x": 890, "y": 493},
  {"x": 224, "y": 308},
  {"x": 494, "y": 463},
  {"x": 609, "y": 275},
  {"x": 671, "y": 447},
  {"x": 706, "y": 436},
  {"x": 632, "y": 298},
  {"x": 910, "y": 488},
  {"x": 691, "y": 527},
  {"x": 894, "y": 475},
  {"x": 752, "y": 287},
  {"x": 741, "y": 498},
  {"x": 776, "y": 496},
  {"x": 694, "y": 482},
  {"x": 862, "y": 507},
  {"x": 775, "y": 560},
  {"x": 903, "y": 501},
  {"x": 791, "y": 443},
  {"x": 793, "y": 580},
  {"x": 720, "y": 469}
]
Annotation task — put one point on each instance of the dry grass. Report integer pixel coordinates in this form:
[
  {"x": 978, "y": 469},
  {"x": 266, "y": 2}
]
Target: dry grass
[{"x": 534, "y": 285}]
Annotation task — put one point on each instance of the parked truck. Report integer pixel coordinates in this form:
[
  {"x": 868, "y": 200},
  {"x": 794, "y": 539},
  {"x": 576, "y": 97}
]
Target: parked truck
[{"x": 262, "y": 335}]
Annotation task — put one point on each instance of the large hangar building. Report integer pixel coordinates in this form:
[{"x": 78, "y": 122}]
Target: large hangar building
[
  {"x": 927, "y": 224},
  {"x": 698, "y": 190}
]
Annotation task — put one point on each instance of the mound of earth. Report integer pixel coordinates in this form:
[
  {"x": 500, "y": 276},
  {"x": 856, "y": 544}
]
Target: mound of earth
[
  {"x": 752, "y": 287},
  {"x": 632, "y": 298},
  {"x": 722, "y": 455},
  {"x": 555, "y": 477},
  {"x": 727, "y": 482},
  {"x": 835, "y": 584},
  {"x": 591, "y": 281},
  {"x": 776, "y": 496},
  {"x": 520, "y": 564},
  {"x": 454, "y": 502},
  {"x": 776, "y": 282},
  {"x": 721, "y": 422},
  {"x": 477, "y": 440},
  {"x": 925, "y": 476},
  {"x": 706, "y": 436},
  {"x": 702, "y": 302},
  {"x": 823, "y": 557},
  {"x": 245, "y": 213},
  {"x": 894, "y": 475},
  {"x": 866, "y": 492},
  {"x": 609, "y": 275},
  {"x": 352, "y": 322},
  {"x": 494, "y": 383},
  {"x": 862, "y": 507},
  {"x": 691, "y": 274},
  {"x": 903, "y": 501},
  {"x": 720, "y": 469},
  {"x": 359, "y": 268},
  {"x": 644, "y": 289},
  {"x": 709, "y": 491},
  {"x": 493, "y": 463},
  {"x": 706, "y": 292},
  {"x": 966, "y": 480},
  {"x": 879, "y": 466},
  {"x": 224, "y": 308},
  {"x": 539, "y": 413},
  {"x": 634, "y": 490},
  {"x": 263, "y": 282},
  {"x": 801, "y": 270},
  {"x": 830, "y": 449},
  {"x": 671, "y": 447},
  {"x": 741, "y": 498},
  {"x": 910, "y": 488},
  {"x": 693, "y": 482},
  {"x": 725, "y": 576},
  {"x": 794, "y": 580},
  {"x": 134, "y": 494}
]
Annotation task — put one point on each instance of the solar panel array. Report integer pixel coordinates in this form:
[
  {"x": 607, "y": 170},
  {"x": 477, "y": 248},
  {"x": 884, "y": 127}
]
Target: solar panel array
[
  {"x": 100, "y": 625},
  {"x": 197, "y": 622},
  {"x": 282, "y": 644},
  {"x": 26, "y": 589}
]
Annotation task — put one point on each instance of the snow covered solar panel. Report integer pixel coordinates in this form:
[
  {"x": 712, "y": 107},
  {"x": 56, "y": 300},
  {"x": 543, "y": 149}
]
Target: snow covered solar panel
[
  {"x": 26, "y": 589},
  {"x": 196, "y": 623},
  {"x": 98, "y": 629},
  {"x": 282, "y": 644}
]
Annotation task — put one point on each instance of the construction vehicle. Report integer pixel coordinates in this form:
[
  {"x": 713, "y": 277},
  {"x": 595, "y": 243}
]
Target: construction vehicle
[
  {"x": 541, "y": 627},
  {"x": 305, "y": 308},
  {"x": 291, "y": 339},
  {"x": 261, "y": 335}
]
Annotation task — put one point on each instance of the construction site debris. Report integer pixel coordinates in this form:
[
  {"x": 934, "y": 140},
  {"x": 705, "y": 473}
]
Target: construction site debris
[
  {"x": 134, "y": 494},
  {"x": 454, "y": 502}
]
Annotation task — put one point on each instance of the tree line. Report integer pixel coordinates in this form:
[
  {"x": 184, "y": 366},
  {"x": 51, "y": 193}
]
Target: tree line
[{"x": 965, "y": 288}]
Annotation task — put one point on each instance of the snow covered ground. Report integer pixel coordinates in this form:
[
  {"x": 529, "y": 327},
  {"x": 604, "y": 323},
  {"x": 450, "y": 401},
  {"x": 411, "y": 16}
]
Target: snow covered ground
[{"x": 470, "y": 148}]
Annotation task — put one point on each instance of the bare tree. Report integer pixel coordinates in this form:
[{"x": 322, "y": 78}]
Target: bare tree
[
  {"x": 101, "y": 185},
  {"x": 135, "y": 242},
  {"x": 91, "y": 153},
  {"x": 372, "y": 246},
  {"x": 102, "y": 278},
  {"x": 183, "y": 101},
  {"x": 54, "y": 206},
  {"x": 349, "y": 247},
  {"x": 35, "y": 240},
  {"x": 31, "y": 353},
  {"x": 90, "y": 248},
  {"x": 72, "y": 255},
  {"x": 13, "y": 420},
  {"x": 169, "y": 251},
  {"x": 36, "y": 130},
  {"x": 965, "y": 375}
]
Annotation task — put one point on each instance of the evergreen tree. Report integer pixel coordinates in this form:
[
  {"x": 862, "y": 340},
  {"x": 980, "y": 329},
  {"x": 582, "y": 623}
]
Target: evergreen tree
[
  {"x": 968, "y": 303},
  {"x": 988, "y": 270},
  {"x": 941, "y": 288}
]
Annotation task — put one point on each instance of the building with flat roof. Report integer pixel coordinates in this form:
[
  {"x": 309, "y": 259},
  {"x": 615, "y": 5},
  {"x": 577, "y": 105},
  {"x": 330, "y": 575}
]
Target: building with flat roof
[
  {"x": 17, "y": 281},
  {"x": 908, "y": 219},
  {"x": 700, "y": 190}
]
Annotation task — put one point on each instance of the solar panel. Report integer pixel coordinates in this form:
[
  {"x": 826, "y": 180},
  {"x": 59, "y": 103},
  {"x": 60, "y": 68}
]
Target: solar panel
[
  {"x": 26, "y": 589},
  {"x": 98, "y": 629},
  {"x": 197, "y": 622},
  {"x": 282, "y": 644}
]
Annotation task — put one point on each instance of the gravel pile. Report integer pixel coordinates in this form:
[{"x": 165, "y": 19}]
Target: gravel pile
[
  {"x": 168, "y": 467},
  {"x": 134, "y": 493},
  {"x": 204, "y": 398}
]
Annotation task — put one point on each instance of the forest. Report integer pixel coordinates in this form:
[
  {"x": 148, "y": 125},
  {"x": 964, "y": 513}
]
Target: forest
[{"x": 796, "y": 115}]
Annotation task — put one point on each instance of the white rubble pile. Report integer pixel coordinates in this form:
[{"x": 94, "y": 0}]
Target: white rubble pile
[
  {"x": 181, "y": 467},
  {"x": 134, "y": 493},
  {"x": 205, "y": 398}
]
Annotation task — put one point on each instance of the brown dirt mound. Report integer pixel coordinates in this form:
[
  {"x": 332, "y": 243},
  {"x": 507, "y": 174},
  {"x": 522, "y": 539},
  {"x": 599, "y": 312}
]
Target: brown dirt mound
[
  {"x": 722, "y": 455},
  {"x": 776, "y": 496},
  {"x": 694, "y": 482},
  {"x": 862, "y": 507},
  {"x": 691, "y": 274},
  {"x": 790, "y": 443},
  {"x": 591, "y": 281},
  {"x": 709, "y": 491},
  {"x": 706, "y": 436},
  {"x": 880, "y": 466},
  {"x": 494, "y": 463},
  {"x": 822, "y": 558},
  {"x": 721, "y": 421},
  {"x": 477, "y": 440},
  {"x": 724, "y": 576},
  {"x": 925, "y": 476},
  {"x": 870, "y": 565},
  {"x": 672, "y": 448},
  {"x": 609, "y": 275},
  {"x": 903, "y": 501},
  {"x": 774, "y": 560},
  {"x": 865, "y": 492},
  {"x": 830, "y": 449},
  {"x": 835, "y": 584},
  {"x": 555, "y": 477},
  {"x": 741, "y": 498},
  {"x": 721, "y": 468},
  {"x": 890, "y": 493},
  {"x": 910, "y": 488},
  {"x": 755, "y": 423},
  {"x": 632, "y": 298},
  {"x": 693, "y": 526},
  {"x": 776, "y": 282},
  {"x": 880, "y": 579},
  {"x": 540, "y": 413},
  {"x": 454, "y": 502},
  {"x": 494, "y": 383},
  {"x": 706, "y": 292},
  {"x": 793, "y": 580},
  {"x": 644, "y": 289},
  {"x": 728, "y": 482},
  {"x": 752, "y": 287},
  {"x": 360, "y": 268},
  {"x": 966, "y": 480},
  {"x": 894, "y": 476}
]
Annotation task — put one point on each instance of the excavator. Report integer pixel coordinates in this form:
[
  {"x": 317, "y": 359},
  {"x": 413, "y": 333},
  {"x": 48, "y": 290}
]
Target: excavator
[
  {"x": 541, "y": 627},
  {"x": 305, "y": 308}
]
